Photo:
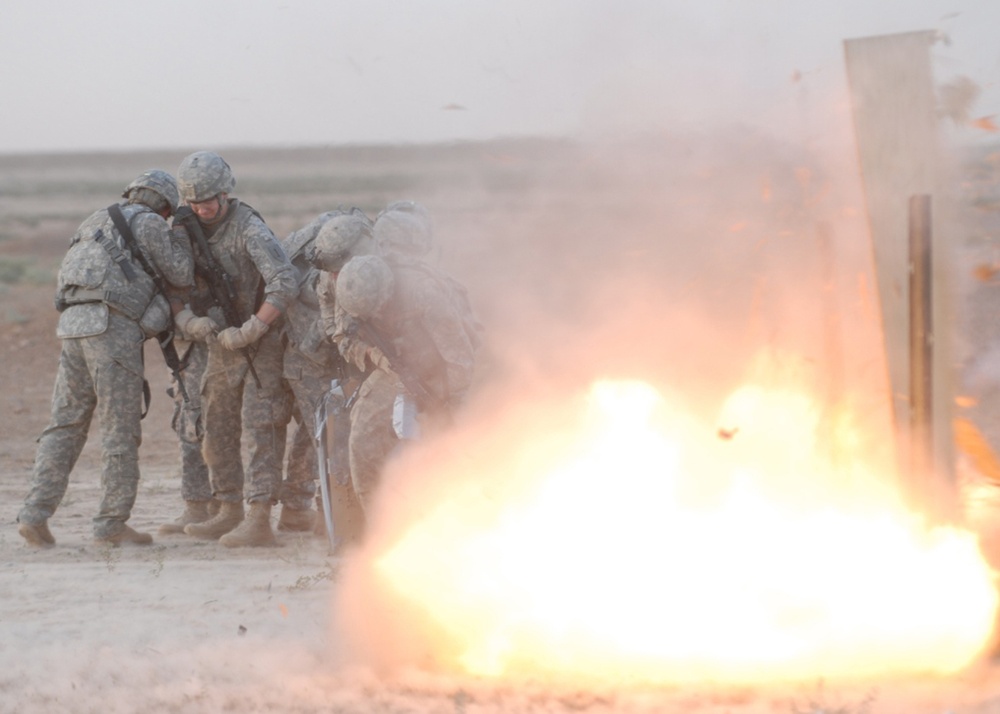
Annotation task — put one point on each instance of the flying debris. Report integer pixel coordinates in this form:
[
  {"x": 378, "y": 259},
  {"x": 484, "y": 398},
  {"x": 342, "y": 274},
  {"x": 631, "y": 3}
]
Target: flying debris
[{"x": 986, "y": 124}]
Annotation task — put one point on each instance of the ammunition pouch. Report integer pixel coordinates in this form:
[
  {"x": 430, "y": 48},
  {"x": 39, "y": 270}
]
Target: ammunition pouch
[
  {"x": 82, "y": 320},
  {"x": 138, "y": 301}
]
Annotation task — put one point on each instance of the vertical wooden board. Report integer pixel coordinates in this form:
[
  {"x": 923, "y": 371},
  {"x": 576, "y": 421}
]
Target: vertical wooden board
[{"x": 898, "y": 142}]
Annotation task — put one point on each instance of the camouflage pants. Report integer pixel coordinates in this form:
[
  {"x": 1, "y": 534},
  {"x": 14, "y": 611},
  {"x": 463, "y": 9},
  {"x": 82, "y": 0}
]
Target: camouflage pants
[
  {"x": 299, "y": 485},
  {"x": 372, "y": 438},
  {"x": 232, "y": 404},
  {"x": 187, "y": 424},
  {"x": 307, "y": 382},
  {"x": 102, "y": 374}
]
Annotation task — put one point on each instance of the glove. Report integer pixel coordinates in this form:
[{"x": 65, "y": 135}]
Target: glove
[
  {"x": 353, "y": 352},
  {"x": 236, "y": 338},
  {"x": 194, "y": 327}
]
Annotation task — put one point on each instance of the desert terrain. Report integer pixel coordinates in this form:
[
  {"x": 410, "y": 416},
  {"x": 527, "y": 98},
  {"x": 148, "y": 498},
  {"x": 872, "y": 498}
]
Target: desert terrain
[{"x": 673, "y": 260}]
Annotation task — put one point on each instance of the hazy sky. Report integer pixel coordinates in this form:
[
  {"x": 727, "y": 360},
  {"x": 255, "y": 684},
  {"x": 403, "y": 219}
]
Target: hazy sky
[{"x": 117, "y": 74}]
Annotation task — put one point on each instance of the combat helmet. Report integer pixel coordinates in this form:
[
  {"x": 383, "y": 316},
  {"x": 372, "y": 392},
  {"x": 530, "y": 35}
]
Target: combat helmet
[
  {"x": 405, "y": 227},
  {"x": 160, "y": 182},
  {"x": 300, "y": 242},
  {"x": 204, "y": 174},
  {"x": 341, "y": 238},
  {"x": 364, "y": 286}
]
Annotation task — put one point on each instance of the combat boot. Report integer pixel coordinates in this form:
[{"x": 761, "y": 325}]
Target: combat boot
[
  {"x": 37, "y": 534},
  {"x": 194, "y": 512},
  {"x": 297, "y": 520},
  {"x": 255, "y": 530},
  {"x": 126, "y": 536},
  {"x": 229, "y": 516}
]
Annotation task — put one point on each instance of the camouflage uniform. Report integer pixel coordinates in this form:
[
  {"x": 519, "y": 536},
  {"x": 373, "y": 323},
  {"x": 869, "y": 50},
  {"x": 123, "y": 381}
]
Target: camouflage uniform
[
  {"x": 347, "y": 501},
  {"x": 307, "y": 382},
  {"x": 245, "y": 248},
  {"x": 101, "y": 369},
  {"x": 310, "y": 363},
  {"x": 425, "y": 328}
]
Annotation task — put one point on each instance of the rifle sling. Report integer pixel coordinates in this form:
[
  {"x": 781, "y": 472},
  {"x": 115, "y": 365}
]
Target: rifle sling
[
  {"x": 220, "y": 293},
  {"x": 166, "y": 338},
  {"x": 211, "y": 266},
  {"x": 125, "y": 231},
  {"x": 116, "y": 254}
]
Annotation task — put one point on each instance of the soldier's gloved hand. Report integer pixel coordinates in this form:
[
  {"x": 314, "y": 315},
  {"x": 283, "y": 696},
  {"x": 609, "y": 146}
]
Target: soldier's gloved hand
[
  {"x": 203, "y": 329},
  {"x": 236, "y": 338},
  {"x": 193, "y": 327}
]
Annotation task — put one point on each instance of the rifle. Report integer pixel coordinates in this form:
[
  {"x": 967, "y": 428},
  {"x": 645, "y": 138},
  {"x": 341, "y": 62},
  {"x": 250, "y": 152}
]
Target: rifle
[
  {"x": 164, "y": 339},
  {"x": 220, "y": 283}
]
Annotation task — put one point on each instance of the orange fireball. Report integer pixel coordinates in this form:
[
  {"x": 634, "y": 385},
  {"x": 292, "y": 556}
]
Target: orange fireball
[{"x": 629, "y": 542}]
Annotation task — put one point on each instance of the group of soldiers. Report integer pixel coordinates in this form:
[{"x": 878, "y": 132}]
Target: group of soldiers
[{"x": 260, "y": 335}]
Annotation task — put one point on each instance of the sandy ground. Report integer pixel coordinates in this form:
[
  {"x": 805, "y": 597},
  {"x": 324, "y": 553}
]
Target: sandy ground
[{"x": 188, "y": 626}]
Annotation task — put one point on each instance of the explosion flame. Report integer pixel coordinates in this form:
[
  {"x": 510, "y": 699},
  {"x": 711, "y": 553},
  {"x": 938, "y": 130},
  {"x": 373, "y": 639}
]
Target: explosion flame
[{"x": 629, "y": 541}]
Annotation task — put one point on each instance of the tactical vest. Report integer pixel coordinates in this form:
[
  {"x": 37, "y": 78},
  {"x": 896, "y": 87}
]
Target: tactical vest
[
  {"x": 457, "y": 292},
  {"x": 98, "y": 268},
  {"x": 421, "y": 367}
]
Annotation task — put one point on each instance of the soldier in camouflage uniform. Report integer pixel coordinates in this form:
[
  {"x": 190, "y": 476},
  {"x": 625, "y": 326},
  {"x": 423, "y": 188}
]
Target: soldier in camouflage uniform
[
  {"x": 337, "y": 242},
  {"x": 435, "y": 342},
  {"x": 109, "y": 307},
  {"x": 231, "y": 236},
  {"x": 310, "y": 363},
  {"x": 423, "y": 349}
]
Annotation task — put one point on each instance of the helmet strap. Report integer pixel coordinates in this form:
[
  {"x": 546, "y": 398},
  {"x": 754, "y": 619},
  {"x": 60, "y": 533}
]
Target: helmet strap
[{"x": 222, "y": 206}]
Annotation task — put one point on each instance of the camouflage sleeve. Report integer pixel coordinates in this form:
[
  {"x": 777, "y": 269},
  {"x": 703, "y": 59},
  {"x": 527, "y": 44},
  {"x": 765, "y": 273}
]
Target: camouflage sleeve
[
  {"x": 281, "y": 279},
  {"x": 336, "y": 324},
  {"x": 355, "y": 351},
  {"x": 325, "y": 291},
  {"x": 169, "y": 250},
  {"x": 308, "y": 287},
  {"x": 443, "y": 322}
]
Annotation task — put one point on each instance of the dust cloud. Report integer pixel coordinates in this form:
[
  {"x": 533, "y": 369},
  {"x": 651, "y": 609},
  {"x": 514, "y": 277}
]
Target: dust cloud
[
  {"x": 673, "y": 258},
  {"x": 691, "y": 262}
]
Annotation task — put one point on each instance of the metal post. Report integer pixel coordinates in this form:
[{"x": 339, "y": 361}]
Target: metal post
[{"x": 921, "y": 345}]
